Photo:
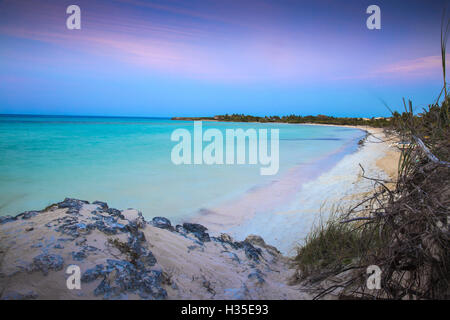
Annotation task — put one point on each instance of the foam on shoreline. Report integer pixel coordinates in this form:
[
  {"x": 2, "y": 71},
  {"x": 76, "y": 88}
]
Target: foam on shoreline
[{"x": 284, "y": 212}]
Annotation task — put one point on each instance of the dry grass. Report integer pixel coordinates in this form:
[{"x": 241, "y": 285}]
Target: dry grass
[{"x": 404, "y": 231}]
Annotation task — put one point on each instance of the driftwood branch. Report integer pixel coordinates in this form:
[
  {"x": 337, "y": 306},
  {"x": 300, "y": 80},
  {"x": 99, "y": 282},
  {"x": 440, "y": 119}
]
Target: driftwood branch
[
  {"x": 428, "y": 153},
  {"x": 356, "y": 219}
]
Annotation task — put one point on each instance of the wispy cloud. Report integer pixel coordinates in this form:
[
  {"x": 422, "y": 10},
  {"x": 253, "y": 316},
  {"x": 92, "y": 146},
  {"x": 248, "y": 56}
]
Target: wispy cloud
[
  {"x": 419, "y": 66},
  {"x": 214, "y": 41},
  {"x": 180, "y": 47}
]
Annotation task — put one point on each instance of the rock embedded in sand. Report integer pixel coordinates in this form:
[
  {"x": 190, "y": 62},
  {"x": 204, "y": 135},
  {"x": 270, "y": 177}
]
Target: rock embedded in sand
[
  {"x": 134, "y": 216},
  {"x": 73, "y": 205},
  {"x": 121, "y": 256},
  {"x": 121, "y": 276},
  {"x": 27, "y": 215},
  {"x": 251, "y": 252},
  {"x": 79, "y": 256},
  {"x": 198, "y": 230},
  {"x": 162, "y": 223},
  {"x": 45, "y": 262},
  {"x": 115, "y": 213},
  {"x": 259, "y": 241},
  {"x": 102, "y": 205},
  {"x": 6, "y": 219},
  {"x": 257, "y": 276},
  {"x": 93, "y": 273},
  {"x": 14, "y": 295}
]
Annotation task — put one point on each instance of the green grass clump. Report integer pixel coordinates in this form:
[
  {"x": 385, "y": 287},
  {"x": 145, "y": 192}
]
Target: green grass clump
[{"x": 333, "y": 246}]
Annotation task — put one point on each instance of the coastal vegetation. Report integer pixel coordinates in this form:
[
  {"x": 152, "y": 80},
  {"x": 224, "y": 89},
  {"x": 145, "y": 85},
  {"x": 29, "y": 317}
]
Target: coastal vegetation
[
  {"x": 379, "y": 122},
  {"x": 403, "y": 230}
]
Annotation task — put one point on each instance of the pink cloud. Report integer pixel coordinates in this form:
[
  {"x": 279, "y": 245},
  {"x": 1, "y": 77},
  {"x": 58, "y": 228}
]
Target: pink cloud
[
  {"x": 419, "y": 65},
  {"x": 411, "y": 68}
]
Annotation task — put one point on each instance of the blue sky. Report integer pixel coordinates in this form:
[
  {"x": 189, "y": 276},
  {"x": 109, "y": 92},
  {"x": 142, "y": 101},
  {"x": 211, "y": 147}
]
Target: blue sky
[{"x": 202, "y": 58}]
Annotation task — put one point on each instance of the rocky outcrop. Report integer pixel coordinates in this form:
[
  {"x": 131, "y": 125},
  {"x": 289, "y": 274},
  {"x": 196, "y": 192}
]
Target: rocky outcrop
[{"x": 122, "y": 256}]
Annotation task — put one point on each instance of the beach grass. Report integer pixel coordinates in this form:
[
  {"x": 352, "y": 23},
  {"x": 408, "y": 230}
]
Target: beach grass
[
  {"x": 332, "y": 246},
  {"x": 403, "y": 230}
]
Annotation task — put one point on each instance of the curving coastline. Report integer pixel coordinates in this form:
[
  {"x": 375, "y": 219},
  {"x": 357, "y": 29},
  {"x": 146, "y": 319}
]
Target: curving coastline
[
  {"x": 284, "y": 211},
  {"x": 122, "y": 256}
]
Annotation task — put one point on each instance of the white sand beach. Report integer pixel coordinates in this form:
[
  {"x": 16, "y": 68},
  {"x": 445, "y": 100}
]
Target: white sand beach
[
  {"x": 284, "y": 211},
  {"x": 121, "y": 256}
]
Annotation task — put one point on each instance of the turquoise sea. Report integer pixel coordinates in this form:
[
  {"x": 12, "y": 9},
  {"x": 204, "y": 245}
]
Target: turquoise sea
[{"x": 126, "y": 162}]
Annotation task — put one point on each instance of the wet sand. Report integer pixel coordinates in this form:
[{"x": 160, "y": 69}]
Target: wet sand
[{"x": 284, "y": 211}]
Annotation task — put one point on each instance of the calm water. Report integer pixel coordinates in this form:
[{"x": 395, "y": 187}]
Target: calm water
[{"x": 126, "y": 162}]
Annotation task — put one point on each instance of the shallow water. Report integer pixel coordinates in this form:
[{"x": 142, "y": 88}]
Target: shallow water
[{"x": 126, "y": 162}]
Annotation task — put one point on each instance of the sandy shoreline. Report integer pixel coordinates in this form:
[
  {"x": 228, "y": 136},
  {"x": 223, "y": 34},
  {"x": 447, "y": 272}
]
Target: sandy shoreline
[
  {"x": 283, "y": 212},
  {"x": 389, "y": 161},
  {"x": 182, "y": 262}
]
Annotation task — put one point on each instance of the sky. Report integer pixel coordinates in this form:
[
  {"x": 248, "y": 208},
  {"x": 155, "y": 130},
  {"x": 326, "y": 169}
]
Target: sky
[{"x": 203, "y": 58}]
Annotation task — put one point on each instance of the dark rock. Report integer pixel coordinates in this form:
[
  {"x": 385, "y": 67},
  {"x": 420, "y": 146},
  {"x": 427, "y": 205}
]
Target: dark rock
[
  {"x": 14, "y": 295},
  {"x": 68, "y": 225},
  {"x": 140, "y": 236},
  {"x": 58, "y": 246},
  {"x": 103, "y": 288},
  {"x": 6, "y": 219},
  {"x": 132, "y": 228},
  {"x": 119, "y": 265},
  {"x": 72, "y": 204},
  {"x": 226, "y": 239},
  {"x": 233, "y": 256},
  {"x": 163, "y": 223},
  {"x": 93, "y": 273},
  {"x": 111, "y": 229},
  {"x": 115, "y": 213},
  {"x": 258, "y": 241},
  {"x": 81, "y": 241},
  {"x": 79, "y": 256},
  {"x": 45, "y": 262},
  {"x": 90, "y": 248},
  {"x": 148, "y": 259},
  {"x": 198, "y": 230},
  {"x": 179, "y": 228},
  {"x": 134, "y": 217},
  {"x": 27, "y": 215},
  {"x": 257, "y": 276},
  {"x": 194, "y": 227},
  {"x": 151, "y": 285},
  {"x": 251, "y": 252},
  {"x": 135, "y": 245},
  {"x": 118, "y": 227},
  {"x": 127, "y": 278},
  {"x": 101, "y": 204}
]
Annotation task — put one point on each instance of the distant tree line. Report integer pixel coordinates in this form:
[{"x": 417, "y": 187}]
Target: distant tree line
[{"x": 319, "y": 119}]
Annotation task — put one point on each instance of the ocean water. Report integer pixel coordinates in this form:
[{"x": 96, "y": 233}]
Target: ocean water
[{"x": 126, "y": 162}]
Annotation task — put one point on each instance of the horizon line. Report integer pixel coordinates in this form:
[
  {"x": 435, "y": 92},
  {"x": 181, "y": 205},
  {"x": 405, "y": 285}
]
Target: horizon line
[{"x": 170, "y": 117}]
